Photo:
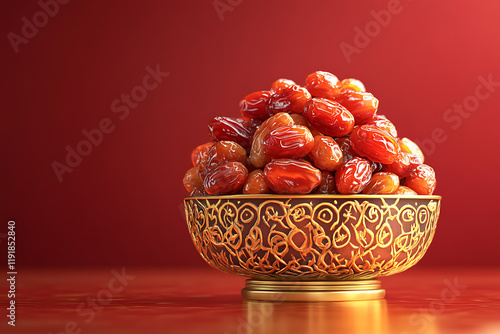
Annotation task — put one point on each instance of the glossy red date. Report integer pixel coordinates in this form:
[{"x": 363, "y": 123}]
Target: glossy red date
[
  {"x": 227, "y": 178},
  {"x": 329, "y": 117},
  {"x": 229, "y": 128},
  {"x": 294, "y": 141},
  {"x": 322, "y": 84},
  {"x": 361, "y": 105},
  {"x": 375, "y": 144},
  {"x": 290, "y": 100},
  {"x": 254, "y": 105},
  {"x": 353, "y": 176},
  {"x": 290, "y": 176}
]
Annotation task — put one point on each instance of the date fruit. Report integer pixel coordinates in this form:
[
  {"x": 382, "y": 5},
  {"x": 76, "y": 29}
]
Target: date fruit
[
  {"x": 199, "y": 155},
  {"x": 405, "y": 191},
  {"x": 381, "y": 122},
  {"x": 227, "y": 178},
  {"x": 422, "y": 180},
  {"x": 192, "y": 180},
  {"x": 222, "y": 152},
  {"x": 290, "y": 176},
  {"x": 293, "y": 141},
  {"x": 352, "y": 84},
  {"x": 254, "y": 105},
  {"x": 353, "y": 176},
  {"x": 228, "y": 128},
  {"x": 377, "y": 145},
  {"x": 258, "y": 157},
  {"x": 326, "y": 153},
  {"x": 410, "y": 147},
  {"x": 256, "y": 184},
  {"x": 363, "y": 106},
  {"x": 290, "y": 100},
  {"x": 329, "y": 117},
  {"x": 322, "y": 84},
  {"x": 281, "y": 84},
  {"x": 382, "y": 183}
]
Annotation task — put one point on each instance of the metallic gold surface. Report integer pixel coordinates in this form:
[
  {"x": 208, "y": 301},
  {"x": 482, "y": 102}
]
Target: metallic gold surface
[
  {"x": 312, "y": 237},
  {"x": 312, "y": 291}
]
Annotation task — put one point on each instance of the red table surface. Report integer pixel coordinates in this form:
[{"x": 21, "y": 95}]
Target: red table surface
[{"x": 207, "y": 301}]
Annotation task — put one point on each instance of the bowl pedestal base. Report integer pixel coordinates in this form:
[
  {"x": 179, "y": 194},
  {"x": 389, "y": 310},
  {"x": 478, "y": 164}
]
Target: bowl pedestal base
[{"x": 311, "y": 291}]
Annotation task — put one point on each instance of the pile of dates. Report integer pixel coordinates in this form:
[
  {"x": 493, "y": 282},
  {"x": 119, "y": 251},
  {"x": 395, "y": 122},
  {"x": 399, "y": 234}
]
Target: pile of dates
[{"x": 322, "y": 138}]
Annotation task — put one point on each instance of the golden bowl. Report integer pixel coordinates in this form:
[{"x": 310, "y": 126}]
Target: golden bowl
[{"x": 312, "y": 247}]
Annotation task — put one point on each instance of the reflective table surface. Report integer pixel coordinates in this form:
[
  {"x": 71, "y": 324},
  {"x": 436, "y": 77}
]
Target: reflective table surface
[{"x": 131, "y": 300}]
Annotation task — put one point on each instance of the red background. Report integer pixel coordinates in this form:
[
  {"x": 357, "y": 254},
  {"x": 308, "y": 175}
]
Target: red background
[{"x": 121, "y": 205}]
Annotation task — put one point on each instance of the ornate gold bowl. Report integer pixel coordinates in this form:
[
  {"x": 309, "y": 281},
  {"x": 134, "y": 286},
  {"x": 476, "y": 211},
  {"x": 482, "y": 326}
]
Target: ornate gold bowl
[{"x": 312, "y": 247}]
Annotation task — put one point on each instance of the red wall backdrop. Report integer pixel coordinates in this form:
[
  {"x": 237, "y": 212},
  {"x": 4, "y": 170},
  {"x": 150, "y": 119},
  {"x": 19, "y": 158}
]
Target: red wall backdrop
[{"x": 120, "y": 203}]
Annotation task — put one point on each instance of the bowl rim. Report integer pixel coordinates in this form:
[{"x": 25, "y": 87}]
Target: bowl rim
[{"x": 307, "y": 196}]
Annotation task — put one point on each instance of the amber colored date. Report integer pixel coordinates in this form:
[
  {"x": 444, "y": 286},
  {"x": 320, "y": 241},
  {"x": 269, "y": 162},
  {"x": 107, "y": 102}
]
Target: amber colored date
[
  {"x": 199, "y": 155},
  {"x": 290, "y": 100},
  {"x": 361, "y": 105},
  {"x": 375, "y": 144},
  {"x": 327, "y": 185},
  {"x": 254, "y": 105},
  {"x": 353, "y": 176},
  {"x": 299, "y": 120},
  {"x": 352, "y": 84},
  {"x": 326, "y": 153},
  {"x": 294, "y": 141},
  {"x": 322, "y": 84},
  {"x": 405, "y": 191},
  {"x": 281, "y": 84},
  {"x": 290, "y": 176},
  {"x": 382, "y": 183},
  {"x": 258, "y": 157},
  {"x": 329, "y": 117},
  {"x": 227, "y": 178},
  {"x": 228, "y": 128},
  {"x": 222, "y": 152},
  {"x": 192, "y": 180},
  {"x": 410, "y": 147},
  {"x": 256, "y": 184},
  {"x": 422, "y": 180},
  {"x": 381, "y": 122}
]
